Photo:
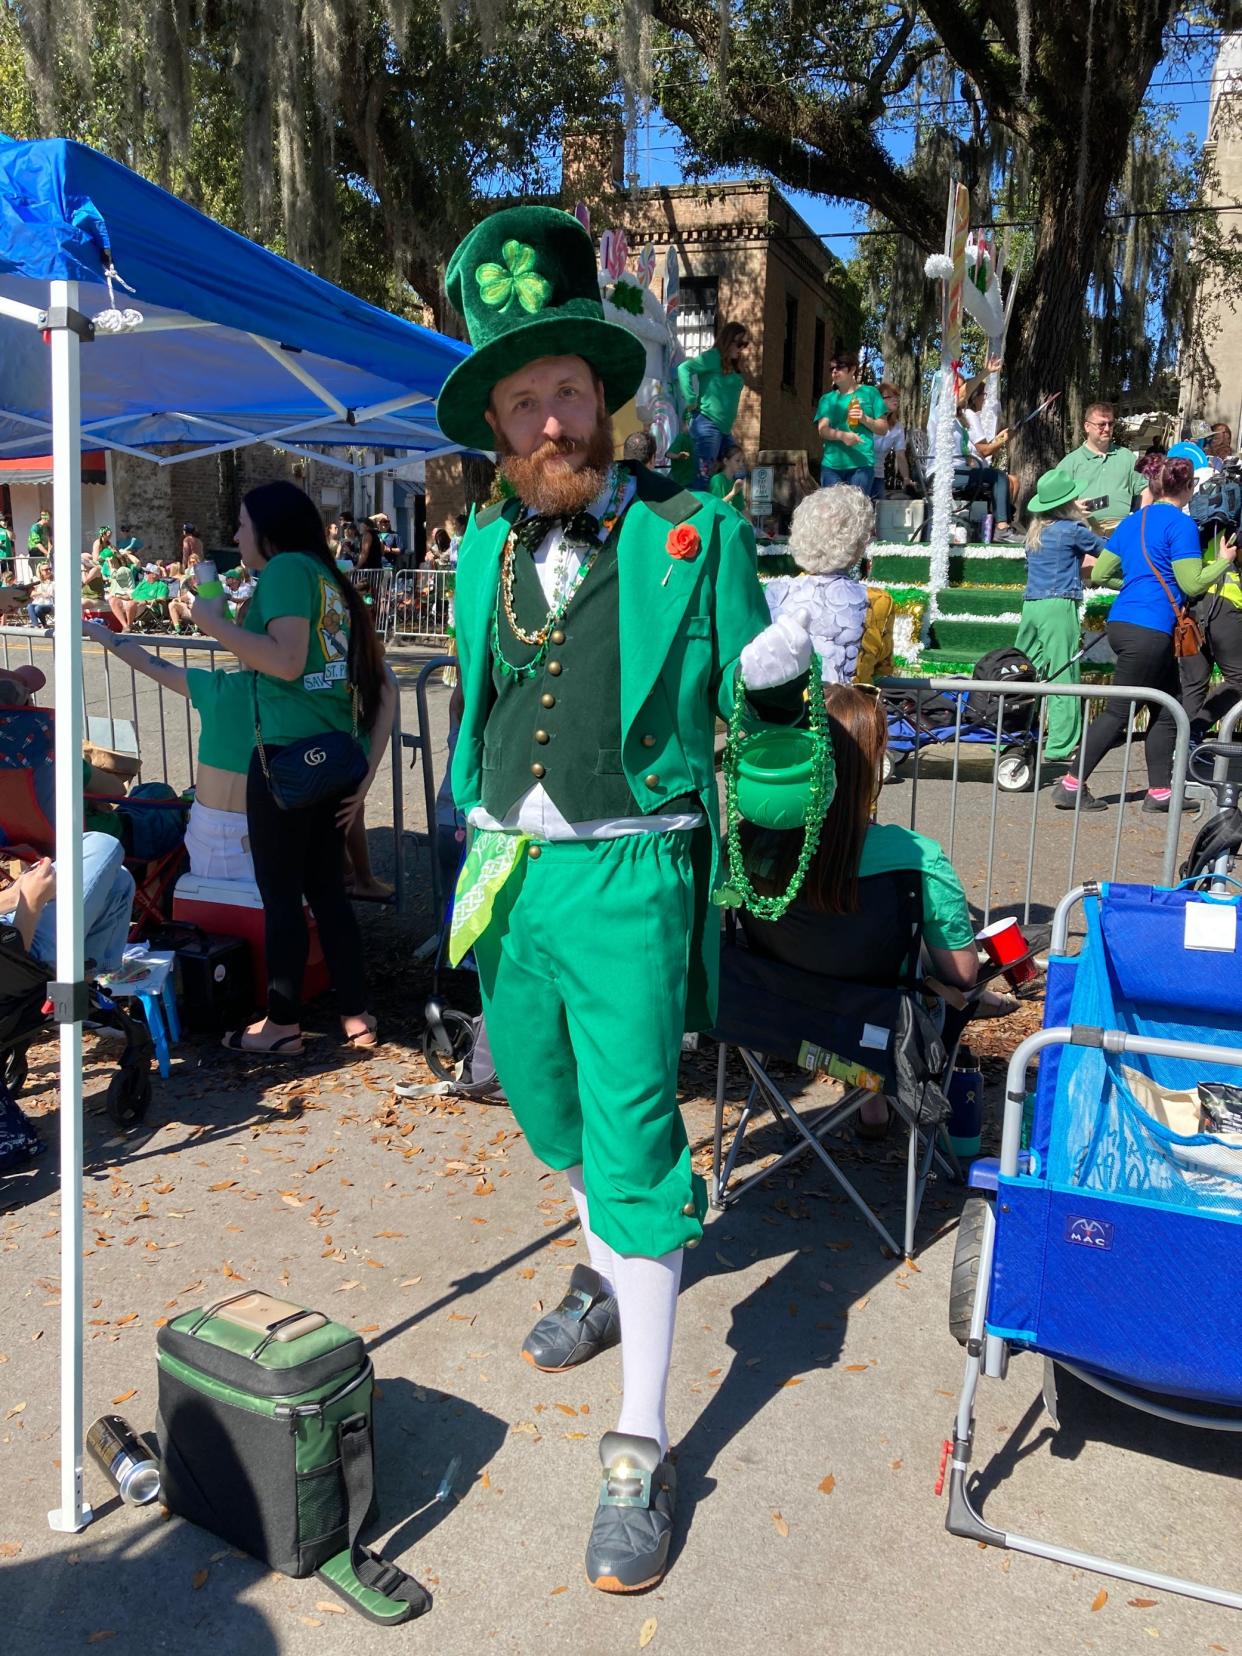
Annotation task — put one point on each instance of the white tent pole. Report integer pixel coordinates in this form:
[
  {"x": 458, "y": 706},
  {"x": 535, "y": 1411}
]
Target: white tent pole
[{"x": 72, "y": 1514}]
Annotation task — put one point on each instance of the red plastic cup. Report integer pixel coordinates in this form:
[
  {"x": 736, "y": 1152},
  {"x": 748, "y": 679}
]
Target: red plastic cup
[{"x": 1005, "y": 946}]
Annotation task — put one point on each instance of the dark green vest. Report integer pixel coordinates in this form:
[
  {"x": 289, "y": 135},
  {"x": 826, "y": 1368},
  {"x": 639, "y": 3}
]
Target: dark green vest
[{"x": 562, "y": 725}]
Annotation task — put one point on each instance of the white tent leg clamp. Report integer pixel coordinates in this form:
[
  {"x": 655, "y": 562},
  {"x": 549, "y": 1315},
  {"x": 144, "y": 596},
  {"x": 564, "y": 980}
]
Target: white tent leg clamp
[{"x": 71, "y": 1002}]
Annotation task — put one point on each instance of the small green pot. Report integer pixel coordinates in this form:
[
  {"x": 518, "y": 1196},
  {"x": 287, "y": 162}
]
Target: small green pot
[{"x": 775, "y": 770}]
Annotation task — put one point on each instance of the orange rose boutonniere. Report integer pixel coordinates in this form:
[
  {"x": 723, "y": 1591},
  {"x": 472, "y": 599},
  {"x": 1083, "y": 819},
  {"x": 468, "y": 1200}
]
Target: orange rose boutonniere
[{"x": 683, "y": 542}]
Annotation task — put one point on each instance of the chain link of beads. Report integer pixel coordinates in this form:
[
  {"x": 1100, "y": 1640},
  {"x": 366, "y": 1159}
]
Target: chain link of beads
[{"x": 738, "y": 891}]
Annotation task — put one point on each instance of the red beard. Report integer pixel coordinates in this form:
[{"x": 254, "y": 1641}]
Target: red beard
[{"x": 545, "y": 484}]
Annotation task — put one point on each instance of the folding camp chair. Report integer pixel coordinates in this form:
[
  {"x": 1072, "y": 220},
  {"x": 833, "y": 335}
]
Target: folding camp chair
[
  {"x": 869, "y": 1031},
  {"x": 1112, "y": 1242}
]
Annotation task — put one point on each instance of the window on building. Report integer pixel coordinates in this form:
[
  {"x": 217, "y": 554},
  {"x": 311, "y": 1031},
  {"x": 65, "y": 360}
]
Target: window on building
[
  {"x": 696, "y": 314},
  {"x": 789, "y": 355},
  {"x": 817, "y": 361}
]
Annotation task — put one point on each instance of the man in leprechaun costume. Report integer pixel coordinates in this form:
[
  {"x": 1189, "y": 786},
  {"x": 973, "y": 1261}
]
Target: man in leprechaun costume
[{"x": 603, "y": 616}]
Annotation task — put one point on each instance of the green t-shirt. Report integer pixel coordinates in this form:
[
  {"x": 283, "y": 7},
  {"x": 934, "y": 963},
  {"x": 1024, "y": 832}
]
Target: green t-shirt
[
  {"x": 719, "y": 485},
  {"x": 39, "y": 536},
  {"x": 225, "y": 706},
  {"x": 946, "y": 913},
  {"x": 681, "y": 460},
  {"x": 1112, "y": 474},
  {"x": 6, "y": 542},
  {"x": 719, "y": 393},
  {"x": 834, "y": 406},
  {"x": 319, "y": 699}
]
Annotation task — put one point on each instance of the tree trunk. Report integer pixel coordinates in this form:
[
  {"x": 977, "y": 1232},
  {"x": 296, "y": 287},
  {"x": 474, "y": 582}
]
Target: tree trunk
[{"x": 1047, "y": 334}]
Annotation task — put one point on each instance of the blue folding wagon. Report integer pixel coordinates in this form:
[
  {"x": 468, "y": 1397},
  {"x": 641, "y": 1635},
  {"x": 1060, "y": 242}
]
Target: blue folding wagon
[{"x": 1109, "y": 1238}]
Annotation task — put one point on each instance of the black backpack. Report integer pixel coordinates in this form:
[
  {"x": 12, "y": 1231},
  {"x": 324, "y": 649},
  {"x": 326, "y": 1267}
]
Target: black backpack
[{"x": 983, "y": 706}]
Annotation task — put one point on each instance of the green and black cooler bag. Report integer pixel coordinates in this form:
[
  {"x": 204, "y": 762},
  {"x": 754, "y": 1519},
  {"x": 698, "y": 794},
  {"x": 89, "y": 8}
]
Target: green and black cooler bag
[{"x": 268, "y": 1444}]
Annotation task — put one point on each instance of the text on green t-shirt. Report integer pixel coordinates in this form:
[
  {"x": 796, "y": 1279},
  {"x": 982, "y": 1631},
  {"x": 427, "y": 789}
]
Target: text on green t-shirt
[{"x": 295, "y": 583}]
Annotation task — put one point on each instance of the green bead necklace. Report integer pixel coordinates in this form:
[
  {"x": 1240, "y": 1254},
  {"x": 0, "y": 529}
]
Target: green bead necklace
[{"x": 738, "y": 891}]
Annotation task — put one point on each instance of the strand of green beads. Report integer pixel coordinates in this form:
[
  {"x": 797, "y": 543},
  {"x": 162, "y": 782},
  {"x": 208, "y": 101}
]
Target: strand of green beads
[{"x": 738, "y": 891}]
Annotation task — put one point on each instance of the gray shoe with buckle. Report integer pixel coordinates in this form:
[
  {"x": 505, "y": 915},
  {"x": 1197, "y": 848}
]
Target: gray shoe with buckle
[
  {"x": 585, "y": 1323},
  {"x": 628, "y": 1549}
]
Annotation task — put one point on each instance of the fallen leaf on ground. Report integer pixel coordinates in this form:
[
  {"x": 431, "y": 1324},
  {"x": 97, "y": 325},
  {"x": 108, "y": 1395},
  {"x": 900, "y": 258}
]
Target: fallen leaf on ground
[
  {"x": 1100, "y": 1599},
  {"x": 10, "y": 1549},
  {"x": 568, "y": 1409},
  {"x": 484, "y": 1187},
  {"x": 779, "y": 1525},
  {"x": 332, "y": 1609},
  {"x": 310, "y": 1621},
  {"x": 344, "y": 1287},
  {"x": 485, "y": 1480},
  {"x": 124, "y": 1397},
  {"x": 1141, "y": 1604},
  {"x": 647, "y": 1632},
  {"x": 371, "y": 1328},
  {"x": 17, "y": 1409},
  {"x": 557, "y": 1590},
  {"x": 827, "y": 1485},
  {"x": 856, "y": 1368},
  {"x": 129, "y": 1317},
  {"x": 795, "y": 1380},
  {"x": 223, "y": 1184},
  {"x": 410, "y": 1282},
  {"x": 100, "y": 1635},
  {"x": 199, "y": 1579}
]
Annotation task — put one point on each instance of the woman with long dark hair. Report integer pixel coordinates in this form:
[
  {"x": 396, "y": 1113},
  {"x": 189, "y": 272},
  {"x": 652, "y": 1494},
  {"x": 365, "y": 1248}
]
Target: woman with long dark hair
[
  {"x": 852, "y": 848},
  {"x": 318, "y": 668}
]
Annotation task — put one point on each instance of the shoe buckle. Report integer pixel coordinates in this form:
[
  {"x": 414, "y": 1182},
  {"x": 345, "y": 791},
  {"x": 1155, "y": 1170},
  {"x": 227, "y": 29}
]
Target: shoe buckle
[
  {"x": 624, "y": 1485},
  {"x": 576, "y": 1304}
]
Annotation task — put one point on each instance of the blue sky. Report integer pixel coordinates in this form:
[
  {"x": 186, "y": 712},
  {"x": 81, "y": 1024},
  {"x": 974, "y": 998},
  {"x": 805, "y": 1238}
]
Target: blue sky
[{"x": 1182, "y": 86}]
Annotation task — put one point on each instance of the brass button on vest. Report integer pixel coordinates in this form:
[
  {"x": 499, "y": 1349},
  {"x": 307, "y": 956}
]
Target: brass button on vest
[
  {"x": 547, "y": 699},
  {"x": 557, "y": 636},
  {"x": 688, "y": 1210},
  {"x": 535, "y": 852},
  {"x": 541, "y": 736},
  {"x": 652, "y": 780},
  {"x": 554, "y": 667},
  {"x": 648, "y": 741},
  {"x": 537, "y": 770}
]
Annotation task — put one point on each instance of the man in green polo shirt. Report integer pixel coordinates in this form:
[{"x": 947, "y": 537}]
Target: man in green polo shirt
[{"x": 1103, "y": 471}]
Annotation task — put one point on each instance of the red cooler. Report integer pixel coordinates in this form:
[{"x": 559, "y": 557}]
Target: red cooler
[{"x": 235, "y": 909}]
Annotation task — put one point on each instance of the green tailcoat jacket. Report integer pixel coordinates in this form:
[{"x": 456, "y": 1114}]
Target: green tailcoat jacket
[{"x": 684, "y": 623}]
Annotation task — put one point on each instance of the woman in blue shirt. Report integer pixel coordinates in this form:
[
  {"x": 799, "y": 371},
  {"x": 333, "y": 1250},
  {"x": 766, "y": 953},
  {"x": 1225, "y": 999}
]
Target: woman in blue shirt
[
  {"x": 1060, "y": 548},
  {"x": 1156, "y": 554}
]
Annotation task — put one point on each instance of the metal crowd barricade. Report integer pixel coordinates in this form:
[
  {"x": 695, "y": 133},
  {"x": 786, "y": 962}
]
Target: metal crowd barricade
[
  {"x": 919, "y": 690},
  {"x": 419, "y": 743},
  {"x": 422, "y": 606},
  {"x": 376, "y": 586},
  {"x": 127, "y": 711}
]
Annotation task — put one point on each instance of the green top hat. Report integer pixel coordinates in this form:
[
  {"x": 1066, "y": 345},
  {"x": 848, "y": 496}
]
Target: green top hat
[
  {"x": 1055, "y": 488},
  {"x": 525, "y": 282}
]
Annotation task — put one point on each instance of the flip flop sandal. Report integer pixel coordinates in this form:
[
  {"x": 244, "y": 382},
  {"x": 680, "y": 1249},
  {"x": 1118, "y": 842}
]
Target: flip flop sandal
[
  {"x": 233, "y": 1042},
  {"x": 365, "y": 1040}
]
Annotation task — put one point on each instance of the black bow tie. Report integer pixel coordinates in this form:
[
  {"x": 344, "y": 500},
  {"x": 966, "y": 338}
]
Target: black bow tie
[{"x": 532, "y": 531}]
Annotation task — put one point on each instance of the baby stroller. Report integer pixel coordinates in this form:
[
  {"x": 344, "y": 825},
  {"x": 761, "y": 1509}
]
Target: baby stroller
[
  {"x": 1122, "y": 1189},
  {"x": 24, "y": 1015}
]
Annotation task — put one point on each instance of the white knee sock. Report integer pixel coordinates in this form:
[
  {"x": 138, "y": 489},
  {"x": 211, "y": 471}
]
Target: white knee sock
[
  {"x": 647, "y": 1299},
  {"x": 602, "y": 1257}
]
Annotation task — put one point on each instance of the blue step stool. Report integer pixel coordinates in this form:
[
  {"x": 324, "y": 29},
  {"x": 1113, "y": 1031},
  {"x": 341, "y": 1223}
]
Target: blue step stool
[{"x": 147, "y": 978}]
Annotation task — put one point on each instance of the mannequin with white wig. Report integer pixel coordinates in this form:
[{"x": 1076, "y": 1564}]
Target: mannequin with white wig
[{"x": 828, "y": 537}]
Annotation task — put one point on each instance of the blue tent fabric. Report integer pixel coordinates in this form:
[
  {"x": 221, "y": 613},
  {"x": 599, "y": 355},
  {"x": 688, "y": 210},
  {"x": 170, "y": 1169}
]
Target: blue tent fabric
[{"x": 64, "y": 207}]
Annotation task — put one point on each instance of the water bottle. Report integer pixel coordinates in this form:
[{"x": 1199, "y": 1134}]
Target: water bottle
[
  {"x": 989, "y": 525},
  {"x": 965, "y": 1094}
]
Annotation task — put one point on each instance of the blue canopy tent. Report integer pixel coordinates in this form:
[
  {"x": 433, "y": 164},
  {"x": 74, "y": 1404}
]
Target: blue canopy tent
[{"x": 129, "y": 319}]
